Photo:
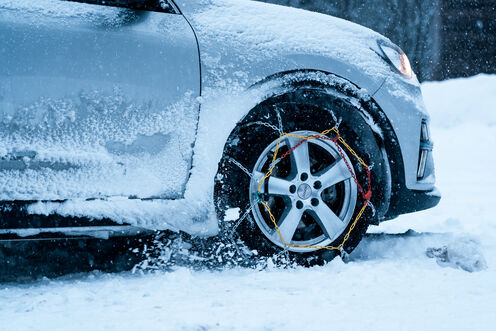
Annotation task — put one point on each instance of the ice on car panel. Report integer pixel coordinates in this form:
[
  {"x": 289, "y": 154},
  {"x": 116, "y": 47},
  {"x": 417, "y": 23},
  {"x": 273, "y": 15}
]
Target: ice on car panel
[{"x": 167, "y": 115}]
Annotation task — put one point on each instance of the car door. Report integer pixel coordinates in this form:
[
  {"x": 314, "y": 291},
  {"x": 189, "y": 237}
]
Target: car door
[{"x": 97, "y": 99}]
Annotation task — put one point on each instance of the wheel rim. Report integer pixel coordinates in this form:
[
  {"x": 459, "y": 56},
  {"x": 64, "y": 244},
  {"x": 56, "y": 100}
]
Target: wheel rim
[{"x": 311, "y": 193}]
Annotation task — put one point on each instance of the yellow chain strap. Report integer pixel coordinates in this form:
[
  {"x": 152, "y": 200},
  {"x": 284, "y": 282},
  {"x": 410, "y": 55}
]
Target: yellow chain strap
[{"x": 269, "y": 172}]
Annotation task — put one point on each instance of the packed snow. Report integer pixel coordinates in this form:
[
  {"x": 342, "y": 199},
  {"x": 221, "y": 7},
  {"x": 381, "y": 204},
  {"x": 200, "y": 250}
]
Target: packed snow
[
  {"x": 429, "y": 270},
  {"x": 271, "y": 32}
]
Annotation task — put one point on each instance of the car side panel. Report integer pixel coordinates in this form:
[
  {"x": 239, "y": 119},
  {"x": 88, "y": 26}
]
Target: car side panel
[{"x": 95, "y": 101}]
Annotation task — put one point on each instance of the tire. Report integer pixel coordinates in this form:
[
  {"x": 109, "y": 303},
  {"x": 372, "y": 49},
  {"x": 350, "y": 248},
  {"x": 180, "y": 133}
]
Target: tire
[{"x": 307, "y": 111}]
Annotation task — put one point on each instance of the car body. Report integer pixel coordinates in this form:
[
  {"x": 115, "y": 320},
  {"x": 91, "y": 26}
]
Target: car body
[{"x": 119, "y": 116}]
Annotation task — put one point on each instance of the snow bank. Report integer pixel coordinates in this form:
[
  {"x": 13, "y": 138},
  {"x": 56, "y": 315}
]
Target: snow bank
[
  {"x": 386, "y": 295},
  {"x": 461, "y": 101}
]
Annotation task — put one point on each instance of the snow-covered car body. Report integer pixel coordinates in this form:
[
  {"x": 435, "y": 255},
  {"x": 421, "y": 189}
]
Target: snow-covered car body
[{"x": 116, "y": 113}]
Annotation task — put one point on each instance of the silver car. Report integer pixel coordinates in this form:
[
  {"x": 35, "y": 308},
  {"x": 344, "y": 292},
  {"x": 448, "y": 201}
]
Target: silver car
[{"x": 287, "y": 129}]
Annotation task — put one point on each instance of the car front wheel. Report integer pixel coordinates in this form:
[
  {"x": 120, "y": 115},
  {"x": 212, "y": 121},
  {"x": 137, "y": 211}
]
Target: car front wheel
[{"x": 300, "y": 190}]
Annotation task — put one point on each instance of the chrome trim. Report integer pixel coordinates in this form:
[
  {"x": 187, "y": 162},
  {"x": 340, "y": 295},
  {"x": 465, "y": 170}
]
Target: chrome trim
[
  {"x": 422, "y": 163},
  {"x": 425, "y": 148},
  {"x": 425, "y": 134}
]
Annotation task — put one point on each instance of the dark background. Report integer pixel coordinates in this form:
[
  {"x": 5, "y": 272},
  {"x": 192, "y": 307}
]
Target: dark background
[{"x": 442, "y": 38}]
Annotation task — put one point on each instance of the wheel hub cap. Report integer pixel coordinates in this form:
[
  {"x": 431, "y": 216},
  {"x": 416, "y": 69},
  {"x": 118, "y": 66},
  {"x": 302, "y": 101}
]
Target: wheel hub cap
[{"x": 304, "y": 191}]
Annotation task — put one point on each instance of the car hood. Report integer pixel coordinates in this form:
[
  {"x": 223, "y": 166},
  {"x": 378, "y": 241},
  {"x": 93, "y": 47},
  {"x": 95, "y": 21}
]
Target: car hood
[{"x": 244, "y": 34}]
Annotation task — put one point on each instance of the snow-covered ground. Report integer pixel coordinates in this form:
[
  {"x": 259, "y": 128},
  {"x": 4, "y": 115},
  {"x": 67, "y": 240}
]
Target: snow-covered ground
[{"x": 388, "y": 283}]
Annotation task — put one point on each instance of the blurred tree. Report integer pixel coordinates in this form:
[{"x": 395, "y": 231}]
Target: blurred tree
[
  {"x": 468, "y": 38},
  {"x": 443, "y": 38}
]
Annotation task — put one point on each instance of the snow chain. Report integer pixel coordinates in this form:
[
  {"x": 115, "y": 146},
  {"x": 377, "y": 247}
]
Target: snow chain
[{"x": 336, "y": 140}]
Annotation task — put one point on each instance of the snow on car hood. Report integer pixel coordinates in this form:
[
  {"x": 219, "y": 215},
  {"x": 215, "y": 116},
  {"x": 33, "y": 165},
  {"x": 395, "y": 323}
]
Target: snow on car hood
[{"x": 238, "y": 33}]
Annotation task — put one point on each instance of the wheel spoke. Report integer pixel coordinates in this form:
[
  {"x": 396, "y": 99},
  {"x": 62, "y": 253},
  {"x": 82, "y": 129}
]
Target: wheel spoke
[
  {"x": 330, "y": 223},
  {"x": 288, "y": 224},
  {"x": 278, "y": 186},
  {"x": 300, "y": 156},
  {"x": 335, "y": 173}
]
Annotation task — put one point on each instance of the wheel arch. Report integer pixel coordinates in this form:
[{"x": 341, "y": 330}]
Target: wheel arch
[{"x": 326, "y": 82}]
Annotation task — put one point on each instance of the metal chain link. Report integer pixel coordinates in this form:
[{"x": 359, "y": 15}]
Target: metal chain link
[
  {"x": 240, "y": 166},
  {"x": 241, "y": 219},
  {"x": 270, "y": 126},
  {"x": 366, "y": 195}
]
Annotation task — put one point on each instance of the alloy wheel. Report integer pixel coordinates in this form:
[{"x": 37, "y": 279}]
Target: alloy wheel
[{"x": 311, "y": 193}]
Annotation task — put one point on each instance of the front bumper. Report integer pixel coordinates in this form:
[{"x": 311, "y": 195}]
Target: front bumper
[
  {"x": 410, "y": 201},
  {"x": 409, "y": 148},
  {"x": 403, "y": 105}
]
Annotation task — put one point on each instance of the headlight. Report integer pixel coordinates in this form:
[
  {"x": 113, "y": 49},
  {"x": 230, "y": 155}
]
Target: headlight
[{"x": 397, "y": 58}]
